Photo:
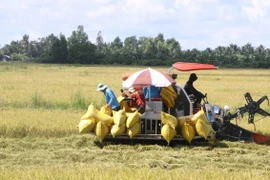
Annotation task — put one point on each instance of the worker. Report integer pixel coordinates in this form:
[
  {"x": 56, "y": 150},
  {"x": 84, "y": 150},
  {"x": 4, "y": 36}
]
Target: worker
[
  {"x": 111, "y": 100},
  {"x": 192, "y": 91},
  {"x": 138, "y": 99}
]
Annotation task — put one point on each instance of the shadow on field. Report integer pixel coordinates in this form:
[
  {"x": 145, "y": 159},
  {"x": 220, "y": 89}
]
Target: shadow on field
[{"x": 194, "y": 143}]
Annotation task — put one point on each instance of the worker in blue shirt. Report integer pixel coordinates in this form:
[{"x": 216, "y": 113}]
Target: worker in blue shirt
[{"x": 111, "y": 100}]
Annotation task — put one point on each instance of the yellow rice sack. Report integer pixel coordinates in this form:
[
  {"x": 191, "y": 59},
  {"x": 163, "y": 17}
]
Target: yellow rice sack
[
  {"x": 96, "y": 115},
  {"x": 168, "y": 119},
  {"x": 101, "y": 131},
  {"x": 89, "y": 113},
  {"x": 86, "y": 126},
  {"x": 119, "y": 117},
  {"x": 199, "y": 115},
  {"x": 184, "y": 119},
  {"x": 169, "y": 101},
  {"x": 168, "y": 132},
  {"x": 124, "y": 104},
  {"x": 134, "y": 130},
  {"x": 105, "y": 110},
  {"x": 133, "y": 118},
  {"x": 117, "y": 130},
  {"x": 203, "y": 129},
  {"x": 188, "y": 132},
  {"x": 168, "y": 96}
]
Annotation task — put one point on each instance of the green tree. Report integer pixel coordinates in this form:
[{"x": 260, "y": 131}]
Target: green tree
[
  {"x": 56, "y": 51},
  {"x": 206, "y": 56},
  {"x": 220, "y": 55},
  {"x": 35, "y": 49},
  {"x": 161, "y": 48},
  {"x": 100, "y": 42},
  {"x": 233, "y": 51},
  {"x": 117, "y": 44},
  {"x": 63, "y": 49},
  {"x": 174, "y": 48},
  {"x": 160, "y": 38},
  {"x": 248, "y": 52},
  {"x": 162, "y": 51},
  {"x": 116, "y": 51},
  {"x": 25, "y": 44},
  {"x": 45, "y": 47},
  {"x": 100, "y": 50},
  {"x": 130, "y": 50},
  {"x": 80, "y": 50},
  {"x": 149, "y": 49}
]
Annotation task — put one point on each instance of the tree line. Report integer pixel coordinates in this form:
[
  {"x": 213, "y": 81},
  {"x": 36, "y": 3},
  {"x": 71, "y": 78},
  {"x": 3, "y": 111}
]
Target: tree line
[{"x": 146, "y": 51}]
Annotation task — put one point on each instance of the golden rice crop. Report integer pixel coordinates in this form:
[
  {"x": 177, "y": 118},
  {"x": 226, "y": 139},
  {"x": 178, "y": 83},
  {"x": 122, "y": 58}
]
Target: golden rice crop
[
  {"x": 38, "y": 122},
  {"x": 53, "y": 86},
  {"x": 39, "y": 138}
]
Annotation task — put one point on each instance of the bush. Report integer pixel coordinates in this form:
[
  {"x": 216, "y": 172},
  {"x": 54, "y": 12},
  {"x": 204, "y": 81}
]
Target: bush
[
  {"x": 78, "y": 101},
  {"x": 38, "y": 101}
]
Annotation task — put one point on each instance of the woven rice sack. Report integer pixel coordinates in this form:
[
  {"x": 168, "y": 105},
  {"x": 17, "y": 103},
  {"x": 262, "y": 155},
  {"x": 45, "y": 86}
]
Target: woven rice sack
[
  {"x": 168, "y": 132},
  {"x": 168, "y": 96},
  {"x": 202, "y": 128},
  {"x": 105, "y": 110},
  {"x": 119, "y": 117},
  {"x": 101, "y": 131},
  {"x": 134, "y": 130},
  {"x": 188, "y": 132},
  {"x": 93, "y": 113},
  {"x": 169, "y": 101},
  {"x": 133, "y": 118},
  {"x": 184, "y": 119},
  {"x": 199, "y": 115},
  {"x": 86, "y": 126},
  {"x": 108, "y": 121},
  {"x": 123, "y": 104},
  {"x": 89, "y": 113},
  {"x": 168, "y": 119},
  {"x": 117, "y": 130}
]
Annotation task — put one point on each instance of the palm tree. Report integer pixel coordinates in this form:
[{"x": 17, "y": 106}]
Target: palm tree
[{"x": 26, "y": 43}]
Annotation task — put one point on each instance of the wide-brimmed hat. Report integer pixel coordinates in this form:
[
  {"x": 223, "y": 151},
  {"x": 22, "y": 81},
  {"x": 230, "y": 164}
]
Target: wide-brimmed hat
[
  {"x": 101, "y": 87},
  {"x": 132, "y": 89}
]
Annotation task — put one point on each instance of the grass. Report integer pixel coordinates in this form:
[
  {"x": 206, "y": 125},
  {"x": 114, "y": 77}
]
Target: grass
[
  {"x": 28, "y": 122},
  {"x": 41, "y": 105},
  {"x": 77, "y": 157},
  {"x": 38, "y": 101},
  {"x": 78, "y": 101}
]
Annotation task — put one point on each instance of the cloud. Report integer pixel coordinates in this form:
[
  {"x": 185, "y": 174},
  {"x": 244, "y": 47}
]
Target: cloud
[
  {"x": 194, "y": 23},
  {"x": 254, "y": 10},
  {"x": 102, "y": 11}
]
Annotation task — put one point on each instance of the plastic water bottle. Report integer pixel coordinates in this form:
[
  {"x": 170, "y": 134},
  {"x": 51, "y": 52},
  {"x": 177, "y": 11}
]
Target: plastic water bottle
[{"x": 210, "y": 116}]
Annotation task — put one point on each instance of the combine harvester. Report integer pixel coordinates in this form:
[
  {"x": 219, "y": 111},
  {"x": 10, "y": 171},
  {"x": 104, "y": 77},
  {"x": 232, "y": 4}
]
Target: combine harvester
[{"x": 171, "y": 119}]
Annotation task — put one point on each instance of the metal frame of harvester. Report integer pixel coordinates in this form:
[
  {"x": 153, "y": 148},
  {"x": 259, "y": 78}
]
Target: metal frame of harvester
[{"x": 150, "y": 122}]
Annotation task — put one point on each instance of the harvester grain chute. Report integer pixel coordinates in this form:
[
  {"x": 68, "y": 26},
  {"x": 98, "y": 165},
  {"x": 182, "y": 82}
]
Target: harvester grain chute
[{"x": 172, "y": 118}]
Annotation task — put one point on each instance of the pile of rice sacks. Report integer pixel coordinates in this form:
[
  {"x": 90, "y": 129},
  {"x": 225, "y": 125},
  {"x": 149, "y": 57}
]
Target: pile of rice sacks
[{"x": 105, "y": 121}]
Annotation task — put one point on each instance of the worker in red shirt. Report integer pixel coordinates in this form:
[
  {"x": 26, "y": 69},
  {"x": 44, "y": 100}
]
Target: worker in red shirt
[{"x": 138, "y": 99}]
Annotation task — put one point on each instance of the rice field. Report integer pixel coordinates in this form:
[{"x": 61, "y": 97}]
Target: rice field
[{"x": 41, "y": 105}]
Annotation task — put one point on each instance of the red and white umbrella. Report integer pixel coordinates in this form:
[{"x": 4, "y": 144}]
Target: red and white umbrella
[{"x": 148, "y": 77}]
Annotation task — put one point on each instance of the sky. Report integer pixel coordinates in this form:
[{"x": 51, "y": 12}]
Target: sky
[{"x": 196, "y": 24}]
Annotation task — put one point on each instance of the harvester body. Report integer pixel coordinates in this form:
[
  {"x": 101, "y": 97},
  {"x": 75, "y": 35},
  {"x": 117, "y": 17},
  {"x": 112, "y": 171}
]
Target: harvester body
[{"x": 151, "y": 126}]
